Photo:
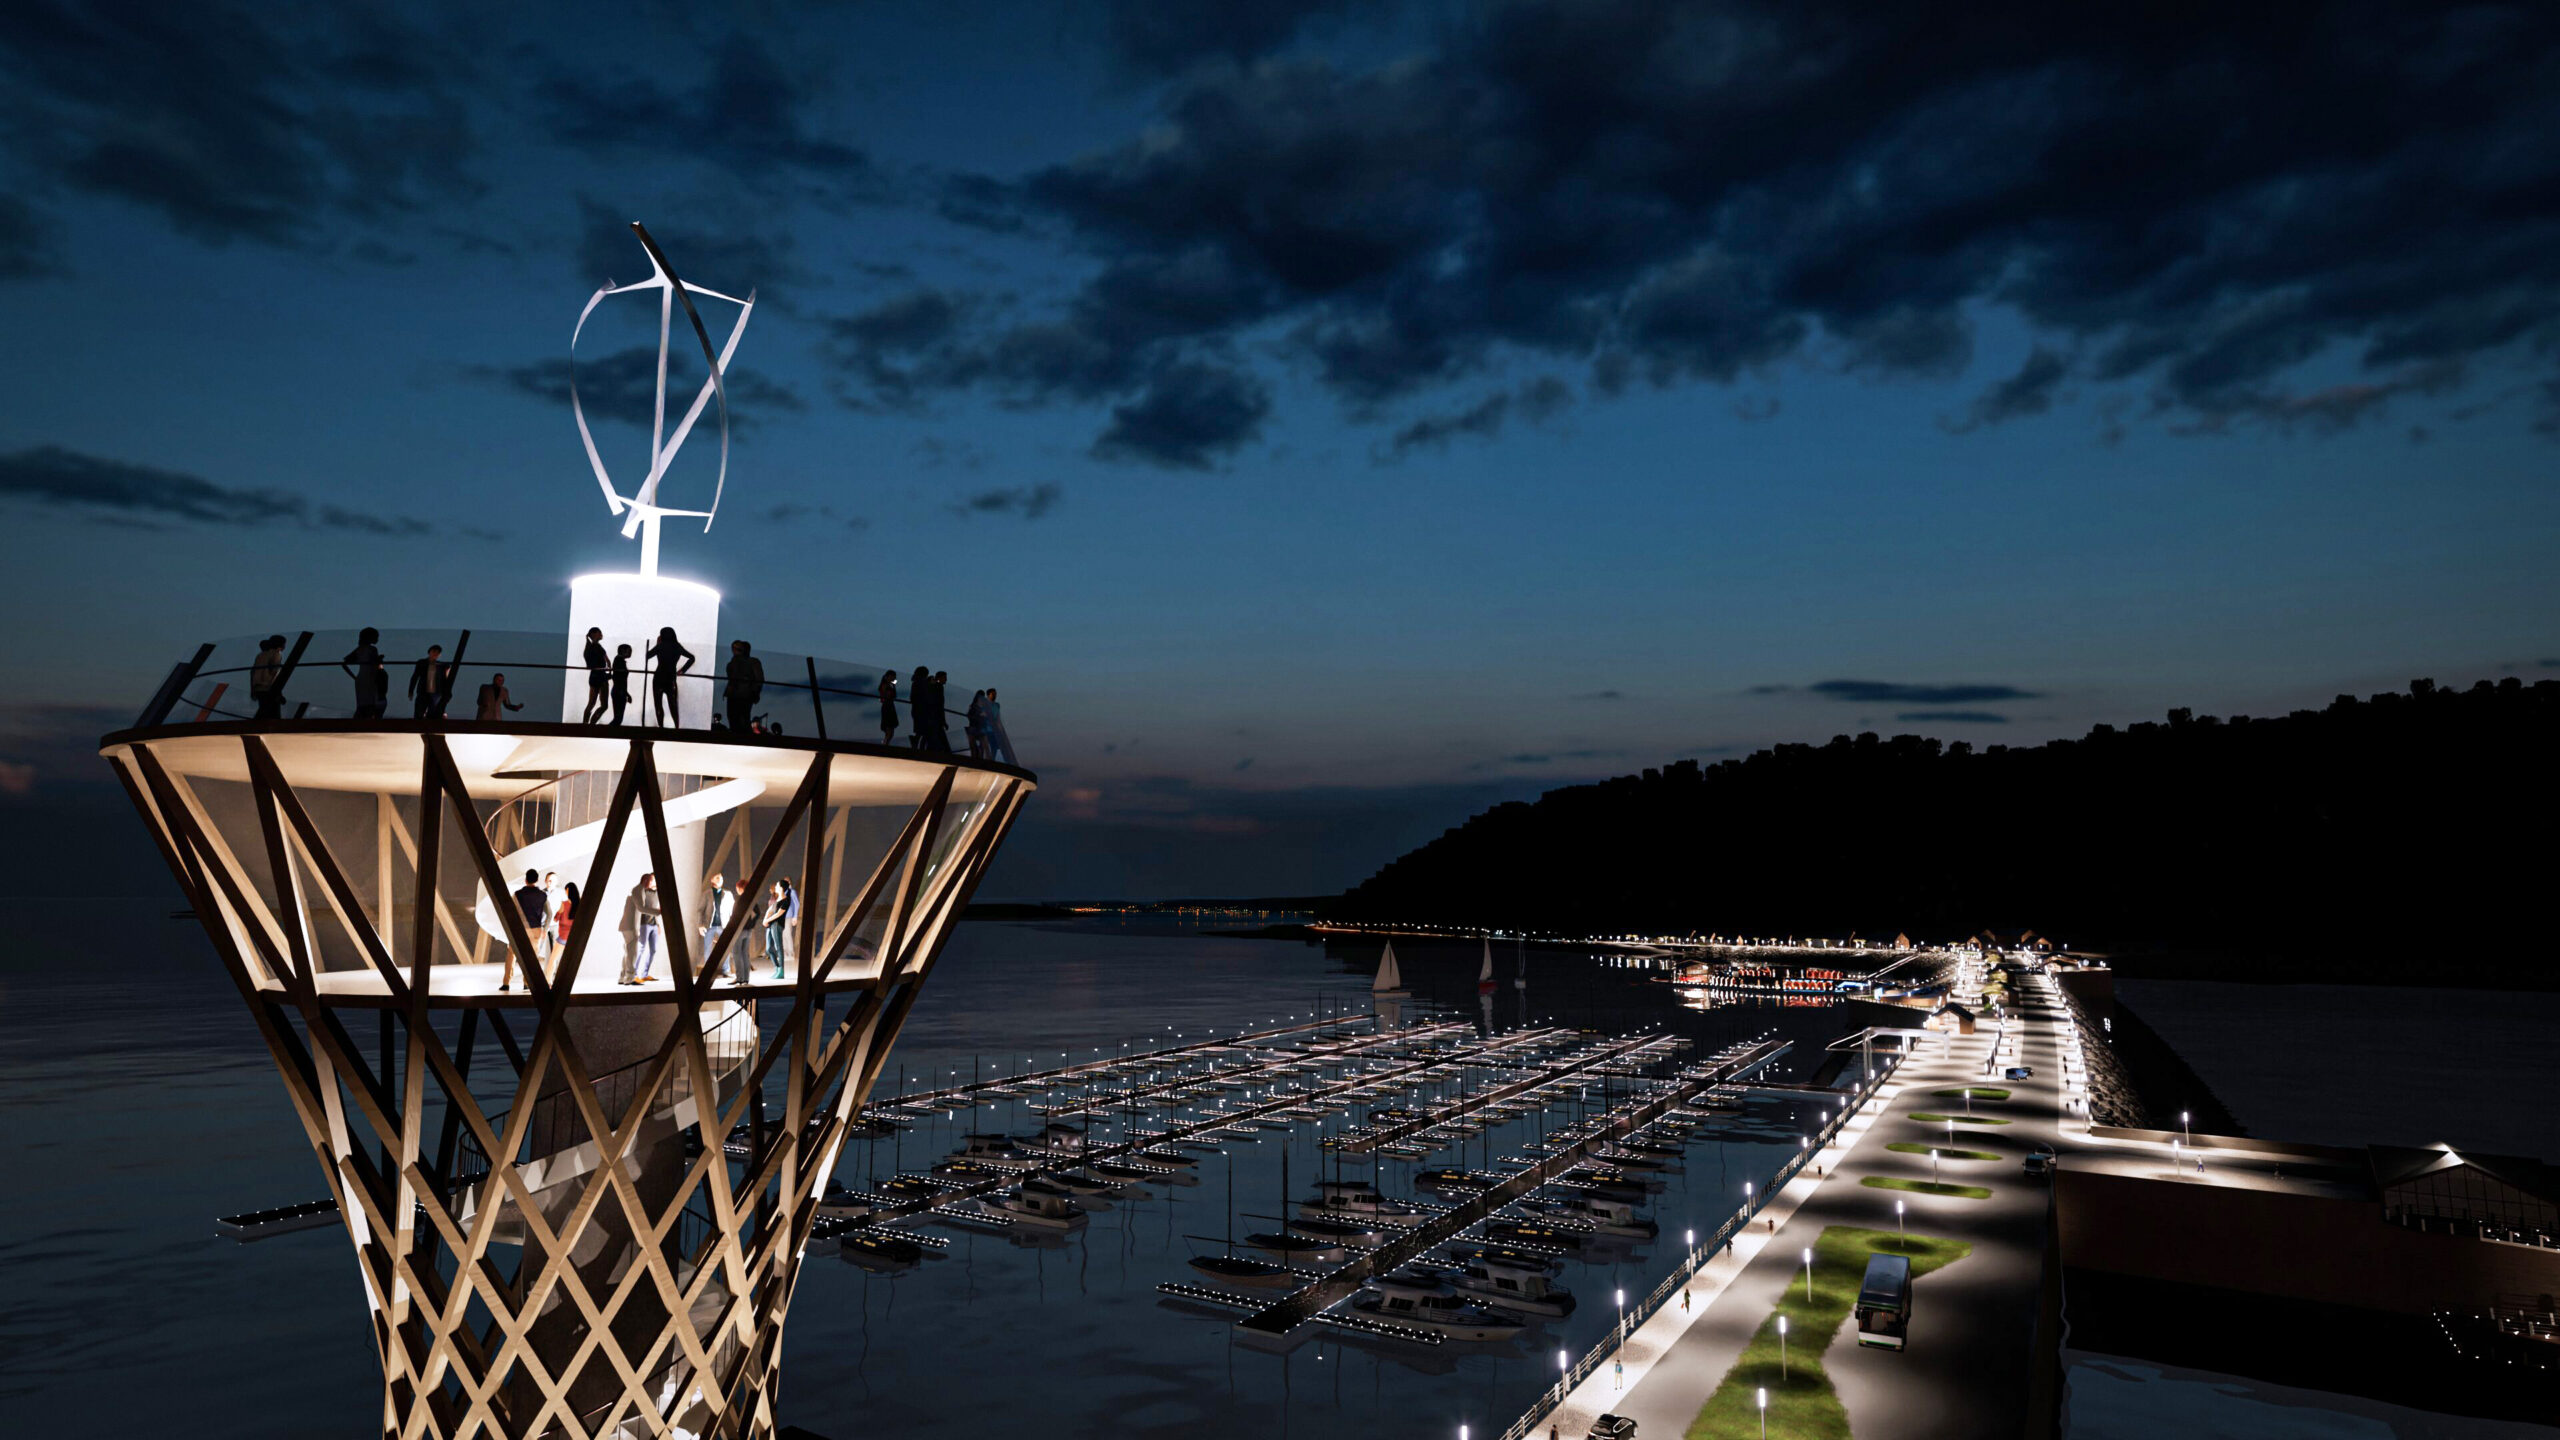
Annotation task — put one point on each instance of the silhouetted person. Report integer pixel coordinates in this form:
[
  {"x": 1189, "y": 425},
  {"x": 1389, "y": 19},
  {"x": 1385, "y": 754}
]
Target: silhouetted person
[
  {"x": 266, "y": 678},
  {"x": 599, "y": 677},
  {"x": 746, "y": 684},
  {"x": 363, "y": 664},
  {"x": 999, "y": 744},
  {"x": 919, "y": 691},
  {"x": 427, "y": 680},
  {"x": 493, "y": 699},
  {"x": 889, "y": 707},
  {"x": 535, "y": 907},
  {"x": 663, "y": 670},
  {"x": 621, "y": 681},
  {"x": 975, "y": 726},
  {"x": 941, "y": 735}
]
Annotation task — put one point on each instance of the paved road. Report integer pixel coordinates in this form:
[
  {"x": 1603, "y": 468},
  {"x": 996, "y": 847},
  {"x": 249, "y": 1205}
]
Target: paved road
[{"x": 1965, "y": 1373}]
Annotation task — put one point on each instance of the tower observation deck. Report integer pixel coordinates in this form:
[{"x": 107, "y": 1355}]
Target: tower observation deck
[
  {"x": 577, "y": 1143},
  {"x": 624, "y": 1263}
]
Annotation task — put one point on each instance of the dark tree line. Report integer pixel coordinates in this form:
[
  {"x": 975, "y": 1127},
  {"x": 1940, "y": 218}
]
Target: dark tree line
[{"x": 2408, "y": 829}]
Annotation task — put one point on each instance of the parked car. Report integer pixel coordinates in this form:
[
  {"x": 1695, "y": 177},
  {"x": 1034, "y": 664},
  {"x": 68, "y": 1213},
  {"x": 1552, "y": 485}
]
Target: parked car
[
  {"x": 1613, "y": 1427},
  {"x": 2019, "y": 1072},
  {"x": 2040, "y": 1161}
]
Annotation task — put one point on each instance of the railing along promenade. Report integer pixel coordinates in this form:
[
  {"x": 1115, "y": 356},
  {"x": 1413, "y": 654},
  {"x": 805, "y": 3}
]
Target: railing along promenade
[{"x": 1696, "y": 1259}]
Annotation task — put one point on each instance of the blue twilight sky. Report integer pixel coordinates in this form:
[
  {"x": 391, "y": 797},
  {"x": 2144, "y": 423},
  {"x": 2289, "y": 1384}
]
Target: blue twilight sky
[{"x": 1322, "y": 418}]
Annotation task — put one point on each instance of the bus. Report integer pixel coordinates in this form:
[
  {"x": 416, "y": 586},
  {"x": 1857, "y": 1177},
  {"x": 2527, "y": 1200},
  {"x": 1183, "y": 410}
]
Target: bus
[{"x": 1884, "y": 1301}]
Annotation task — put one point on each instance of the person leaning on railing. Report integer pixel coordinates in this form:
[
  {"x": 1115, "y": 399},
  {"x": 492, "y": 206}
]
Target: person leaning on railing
[
  {"x": 266, "y": 678},
  {"x": 363, "y": 664}
]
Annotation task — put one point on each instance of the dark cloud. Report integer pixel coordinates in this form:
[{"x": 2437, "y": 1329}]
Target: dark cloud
[
  {"x": 1953, "y": 717},
  {"x": 795, "y": 514},
  {"x": 2197, "y": 201},
  {"x": 1157, "y": 38},
  {"x": 746, "y": 118},
  {"x": 1888, "y": 692},
  {"x": 29, "y": 245},
  {"x": 1028, "y": 501},
  {"x": 1189, "y": 416},
  {"x": 1244, "y": 764},
  {"x": 232, "y": 128},
  {"x": 1538, "y": 400},
  {"x": 2029, "y": 392},
  {"x": 623, "y": 386},
  {"x": 1546, "y": 757},
  {"x": 60, "y": 479},
  {"x": 1602, "y": 695}
]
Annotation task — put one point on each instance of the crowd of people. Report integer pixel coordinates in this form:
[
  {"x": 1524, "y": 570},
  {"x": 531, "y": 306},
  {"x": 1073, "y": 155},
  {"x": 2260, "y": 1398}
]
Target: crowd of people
[
  {"x": 550, "y": 909},
  {"x": 664, "y": 662}
]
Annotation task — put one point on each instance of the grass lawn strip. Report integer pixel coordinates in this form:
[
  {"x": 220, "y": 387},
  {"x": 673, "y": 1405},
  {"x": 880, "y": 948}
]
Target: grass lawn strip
[
  {"x": 1932, "y": 1117},
  {"x": 1908, "y": 1147},
  {"x": 1980, "y": 1092},
  {"x": 1926, "y": 1187},
  {"x": 1803, "y": 1406}
]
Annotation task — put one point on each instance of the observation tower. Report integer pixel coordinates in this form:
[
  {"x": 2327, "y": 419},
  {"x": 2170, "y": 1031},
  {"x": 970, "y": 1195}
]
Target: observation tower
[{"x": 577, "y": 1204}]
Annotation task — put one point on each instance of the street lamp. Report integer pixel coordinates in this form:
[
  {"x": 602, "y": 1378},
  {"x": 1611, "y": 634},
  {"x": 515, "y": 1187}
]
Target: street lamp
[
  {"x": 1808, "y": 1275},
  {"x": 1901, "y": 1235},
  {"x": 2183, "y": 1130},
  {"x": 1764, "y": 1413},
  {"x": 1622, "y": 1312},
  {"x": 1782, "y": 1347}
]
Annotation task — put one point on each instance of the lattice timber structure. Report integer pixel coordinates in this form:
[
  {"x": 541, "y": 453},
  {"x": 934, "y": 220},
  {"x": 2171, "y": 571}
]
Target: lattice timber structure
[{"x": 578, "y": 1204}]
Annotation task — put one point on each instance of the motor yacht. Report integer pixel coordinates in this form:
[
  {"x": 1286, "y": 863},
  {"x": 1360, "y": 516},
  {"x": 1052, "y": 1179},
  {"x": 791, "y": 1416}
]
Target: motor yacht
[
  {"x": 1035, "y": 1208},
  {"x": 1525, "y": 1289},
  {"x": 1421, "y": 1300},
  {"x": 1056, "y": 1139},
  {"x": 840, "y": 1203}
]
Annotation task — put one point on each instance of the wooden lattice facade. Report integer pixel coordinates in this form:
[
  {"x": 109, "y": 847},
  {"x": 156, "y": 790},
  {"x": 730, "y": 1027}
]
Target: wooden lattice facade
[{"x": 579, "y": 1207}]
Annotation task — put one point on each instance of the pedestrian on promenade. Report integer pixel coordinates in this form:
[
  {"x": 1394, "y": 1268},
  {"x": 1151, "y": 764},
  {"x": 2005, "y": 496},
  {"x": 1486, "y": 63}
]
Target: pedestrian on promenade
[
  {"x": 1619, "y": 1369},
  {"x": 534, "y": 907},
  {"x": 746, "y": 685},
  {"x": 975, "y": 726},
  {"x": 645, "y": 914},
  {"x": 999, "y": 744},
  {"x": 427, "y": 680},
  {"x": 919, "y": 692},
  {"x": 667, "y": 659},
  {"x": 493, "y": 699},
  {"x": 363, "y": 664},
  {"x": 888, "y": 707},
  {"x": 266, "y": 678},
  {"x": 777, "y": 915}
]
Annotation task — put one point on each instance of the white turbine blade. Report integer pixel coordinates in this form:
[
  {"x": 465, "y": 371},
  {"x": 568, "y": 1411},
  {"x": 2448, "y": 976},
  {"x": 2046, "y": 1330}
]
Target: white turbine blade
[
  {"x": 701, "y": 398},
  {"x": 716, "y": 295}
]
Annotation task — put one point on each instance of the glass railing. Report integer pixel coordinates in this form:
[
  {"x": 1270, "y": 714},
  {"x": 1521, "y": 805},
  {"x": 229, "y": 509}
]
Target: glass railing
[{"x": 505, "y": 676}]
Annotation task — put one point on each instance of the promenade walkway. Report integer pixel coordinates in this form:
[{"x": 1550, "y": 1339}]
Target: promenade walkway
[{"x": 1965, "y": 1373}]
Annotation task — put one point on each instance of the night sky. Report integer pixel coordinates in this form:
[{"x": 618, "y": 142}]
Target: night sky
[{"x": 1322, "y": 419}]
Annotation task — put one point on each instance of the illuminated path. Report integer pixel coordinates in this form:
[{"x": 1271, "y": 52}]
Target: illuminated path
[{"x": 1966, "y": 1371}]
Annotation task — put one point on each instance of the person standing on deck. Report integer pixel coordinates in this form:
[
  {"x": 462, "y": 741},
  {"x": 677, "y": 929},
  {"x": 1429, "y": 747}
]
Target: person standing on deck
[
  {"x": 940, "y": 736},
  {"x": 599, "y": 677},
  {"x": 621, "y": 681},
  {"x": 427, "y": 680},
  {"x": 266, "y": 678},
  {"x": 715, "y": 913},
  {"x": 976, "y": 725},
  {"x": 493, "y": 699},
  {"x": 746, "y": 685},
  {"x": 919, "y": 690},
  {"x": 533, "y": 907},
  {"x": 999, "y": 744},
  {"x": 777, "y": 913},
  {"x": 645, "y": 917},
  {"x": 667, "y": 660},
  {"x": 364, "y": 665}
]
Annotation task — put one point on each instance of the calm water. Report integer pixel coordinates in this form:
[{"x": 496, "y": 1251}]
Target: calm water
[{"x": 137, "y": 1104}]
